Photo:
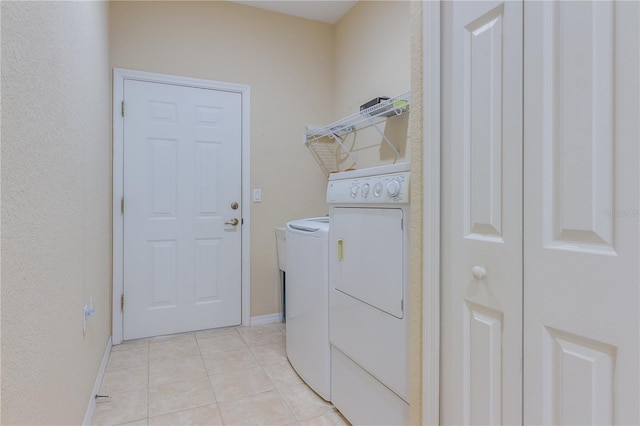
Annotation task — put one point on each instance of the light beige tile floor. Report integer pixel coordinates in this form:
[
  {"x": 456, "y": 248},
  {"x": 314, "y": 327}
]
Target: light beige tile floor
[{"x": 231, "y": 376}]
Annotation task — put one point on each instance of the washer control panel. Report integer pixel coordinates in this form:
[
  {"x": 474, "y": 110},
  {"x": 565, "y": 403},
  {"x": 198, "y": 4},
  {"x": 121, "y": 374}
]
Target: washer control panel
[{"x": 381, "y": 189}]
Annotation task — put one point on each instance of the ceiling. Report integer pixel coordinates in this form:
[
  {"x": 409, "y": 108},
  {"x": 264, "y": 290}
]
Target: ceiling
[{"x": 329, "y": 11}]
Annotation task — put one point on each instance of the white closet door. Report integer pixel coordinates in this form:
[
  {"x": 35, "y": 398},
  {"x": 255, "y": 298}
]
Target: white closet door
[
  {"x": 481, "y": 334},
  {"x": 581, "y": 273}
]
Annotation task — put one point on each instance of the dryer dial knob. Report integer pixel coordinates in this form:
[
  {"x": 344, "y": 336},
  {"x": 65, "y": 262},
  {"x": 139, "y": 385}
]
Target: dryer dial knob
[
  {"x": 354, "y": 191},
  {"x": 377, "y": 189},
  {"x": 393, "y": 188},
  {"x": 365, "y": 190}
]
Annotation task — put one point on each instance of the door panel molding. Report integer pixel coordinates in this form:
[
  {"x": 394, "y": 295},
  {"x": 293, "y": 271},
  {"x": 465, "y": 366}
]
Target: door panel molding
[
  {"x": 164, "y": 112},
  {"x": 579, "y": 177},
  {"x": 483, "y": 63},
  {"x": 577, "y": 373},
  {"x": 482, "y": 354}
]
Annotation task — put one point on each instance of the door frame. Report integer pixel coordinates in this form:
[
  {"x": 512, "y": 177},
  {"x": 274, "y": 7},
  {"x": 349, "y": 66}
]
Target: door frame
[
  {"x": 431, "y": 214},
  {"x": 119, "y": 76}
]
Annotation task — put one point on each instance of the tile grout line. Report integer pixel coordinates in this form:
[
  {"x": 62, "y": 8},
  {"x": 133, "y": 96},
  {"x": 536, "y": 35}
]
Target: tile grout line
[
  {"x": 261, "y": 367},
  {"x": 184, "y": 380},
  {"x": 279, "y": 390},
  {"x": 275, "y": 387},
  {"x": 148, "y": 379},
  {"x": 287, "y": 405},
  {"x": 215, "y": 397},
  {"x": 331, "y": 410},
  {"x": 213, "y": 391},
  {"x": 247, "y": 346}
]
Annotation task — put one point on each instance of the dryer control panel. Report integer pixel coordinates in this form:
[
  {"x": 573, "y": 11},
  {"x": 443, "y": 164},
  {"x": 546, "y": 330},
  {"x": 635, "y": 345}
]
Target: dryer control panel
[{"x": 391, "y": 188}]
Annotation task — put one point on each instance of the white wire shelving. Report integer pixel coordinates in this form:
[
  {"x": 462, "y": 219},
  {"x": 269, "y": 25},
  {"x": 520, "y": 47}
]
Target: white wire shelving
[{"x": 326, "y": 142}]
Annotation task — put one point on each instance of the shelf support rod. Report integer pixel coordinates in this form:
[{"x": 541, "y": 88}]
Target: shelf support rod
[
  {"x": 338, "y": 140},
  {"x": 392, "y": 146}
]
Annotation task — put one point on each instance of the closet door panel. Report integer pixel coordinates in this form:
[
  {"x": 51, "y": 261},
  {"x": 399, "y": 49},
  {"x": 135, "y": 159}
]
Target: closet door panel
[
  {"x": 481, "y": 372},
  {"x": 578, "y": 124},
  {"x": 581, "y": 233}
]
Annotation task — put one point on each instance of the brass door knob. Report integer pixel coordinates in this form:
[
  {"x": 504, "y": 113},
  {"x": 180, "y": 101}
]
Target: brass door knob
[{"x": 232, "y": 222}]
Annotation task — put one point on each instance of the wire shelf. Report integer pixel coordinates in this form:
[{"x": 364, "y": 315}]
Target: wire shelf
[
  {"x": 325, "y": 142},
  {"x": 330, "y": 154},
  {"x": 365, "y": 118}
]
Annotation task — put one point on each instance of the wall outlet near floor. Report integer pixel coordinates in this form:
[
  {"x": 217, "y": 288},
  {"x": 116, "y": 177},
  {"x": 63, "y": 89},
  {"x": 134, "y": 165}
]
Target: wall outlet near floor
[
  {"x": 257, "y": 195},
  {"x": 87, "y": 311}
]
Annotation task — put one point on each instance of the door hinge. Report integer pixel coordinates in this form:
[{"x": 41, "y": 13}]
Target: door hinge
[
  {"x": 122, "y": 205},
  {"x": 402, "y": 224},
  {"x": 122, "y": 302},
  {"x": 122, "y": 109},
  {"x": 402, "y": 305}
]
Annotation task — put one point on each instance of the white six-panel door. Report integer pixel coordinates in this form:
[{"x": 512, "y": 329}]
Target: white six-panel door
[
  {"x": 548, "y": 232},
  {"x": 182, "y": 172},
  {"x": 581, "y": 233},
  {"x": 481, "y": 337}
]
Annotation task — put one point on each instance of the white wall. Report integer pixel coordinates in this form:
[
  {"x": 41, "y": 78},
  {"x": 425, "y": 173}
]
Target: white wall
[{"x": 56, "y": 240}]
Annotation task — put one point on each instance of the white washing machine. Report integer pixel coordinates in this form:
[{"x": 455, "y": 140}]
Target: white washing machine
[
  {"x": 368, "y": 268},
  {"x": 307, "y": 298}
]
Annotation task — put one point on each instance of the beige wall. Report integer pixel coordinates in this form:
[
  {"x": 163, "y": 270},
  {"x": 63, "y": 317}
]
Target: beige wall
[
  {"x": 378, "y": 47},
  {"x": 56, "y": 156},
  {"x": 56, "y": 241},
  {"x": 417, "y": 213},
  {"x": 287, "y": 61},
  {"x": 372, "y": 59},
  {"x": 300, "y": 71}
]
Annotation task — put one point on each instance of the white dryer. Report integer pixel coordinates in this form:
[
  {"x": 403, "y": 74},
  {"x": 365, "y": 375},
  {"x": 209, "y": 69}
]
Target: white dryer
[
  {"x": 368, "y": 268},
  {"x": 307, "y": 298}
]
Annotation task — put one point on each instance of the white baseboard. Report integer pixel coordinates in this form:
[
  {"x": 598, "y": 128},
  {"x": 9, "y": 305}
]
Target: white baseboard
[
  {"x": 266, "y": 319},
  {"x": 96, "y": 386}
]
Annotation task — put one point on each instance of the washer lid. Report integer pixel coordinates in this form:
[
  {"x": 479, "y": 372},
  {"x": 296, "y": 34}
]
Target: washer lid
[{"x": 310, "y": 225}]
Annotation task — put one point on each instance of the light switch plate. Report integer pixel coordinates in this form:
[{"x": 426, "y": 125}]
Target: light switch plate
[{"x": 257, "y": 195}]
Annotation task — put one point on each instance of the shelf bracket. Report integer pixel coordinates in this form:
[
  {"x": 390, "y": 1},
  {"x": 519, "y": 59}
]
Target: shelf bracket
[
  {"x": 384, "y": 137},
  {"x": 344, "y": 149}
]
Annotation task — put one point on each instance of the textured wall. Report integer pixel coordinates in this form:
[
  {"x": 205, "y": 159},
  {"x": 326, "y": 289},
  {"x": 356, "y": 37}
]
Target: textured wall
[
  {"x": 56, "y": 151},
  {"x": 287, "y": 61},
  {"x": 372, "y": 45},
  {"x": 417, "y": 211},
  {"x": 56, "y": 241},
  {"x": 372, "y": 58}
]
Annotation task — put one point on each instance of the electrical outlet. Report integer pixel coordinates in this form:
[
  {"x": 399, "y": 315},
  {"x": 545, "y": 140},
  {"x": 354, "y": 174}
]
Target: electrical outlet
[{"x": 87, "y": 311}]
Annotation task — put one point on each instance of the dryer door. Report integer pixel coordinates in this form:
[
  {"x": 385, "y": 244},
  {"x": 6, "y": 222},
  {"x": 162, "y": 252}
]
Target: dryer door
[{"x": 369, "y": 256}]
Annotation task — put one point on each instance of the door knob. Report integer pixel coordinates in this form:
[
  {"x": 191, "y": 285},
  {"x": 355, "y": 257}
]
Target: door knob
[
  {"x": 478, "y": 272},
  {"x": 232, "y": 222}
]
